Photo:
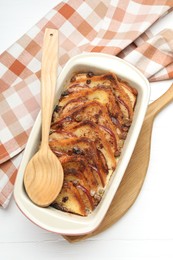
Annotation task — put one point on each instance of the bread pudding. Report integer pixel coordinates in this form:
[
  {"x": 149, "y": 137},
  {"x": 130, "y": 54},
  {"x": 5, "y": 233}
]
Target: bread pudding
[{"x": 89, "y": 126}]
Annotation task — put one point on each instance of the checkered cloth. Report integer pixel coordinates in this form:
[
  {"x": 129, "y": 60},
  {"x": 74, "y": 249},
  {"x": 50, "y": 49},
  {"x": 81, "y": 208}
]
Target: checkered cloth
[{"x": 122, "y": 28}]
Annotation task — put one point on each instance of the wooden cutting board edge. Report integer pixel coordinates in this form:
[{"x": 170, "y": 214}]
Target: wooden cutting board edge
[
  {"x": 135, "y": 174},
  {"x": 125, "y": 196}
]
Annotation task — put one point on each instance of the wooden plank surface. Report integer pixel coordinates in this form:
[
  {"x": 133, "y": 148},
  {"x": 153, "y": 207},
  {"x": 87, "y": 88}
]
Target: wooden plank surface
[{"x": 134, "y": 177}]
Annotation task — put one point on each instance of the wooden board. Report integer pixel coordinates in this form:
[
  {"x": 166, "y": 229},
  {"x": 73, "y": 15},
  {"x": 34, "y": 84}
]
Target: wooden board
[
  {"x": 125, "y": 196},
  {"x": 134, "y": 176}
]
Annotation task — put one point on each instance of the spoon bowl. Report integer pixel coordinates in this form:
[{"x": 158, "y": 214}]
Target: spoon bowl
[
  {"x": 43, "y": 176},
  {"x": 42, "y": 179}
]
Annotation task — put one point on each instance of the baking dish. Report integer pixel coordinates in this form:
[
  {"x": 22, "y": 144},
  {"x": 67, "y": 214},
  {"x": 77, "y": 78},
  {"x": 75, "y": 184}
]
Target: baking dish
[{"x": 66, "y": 223}]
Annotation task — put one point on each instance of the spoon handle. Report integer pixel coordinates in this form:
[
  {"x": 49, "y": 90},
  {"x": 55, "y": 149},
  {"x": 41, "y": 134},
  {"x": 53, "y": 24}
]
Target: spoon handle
[
  {"x": 160, "y": 103},
  {"x": 48, "y": 80}
]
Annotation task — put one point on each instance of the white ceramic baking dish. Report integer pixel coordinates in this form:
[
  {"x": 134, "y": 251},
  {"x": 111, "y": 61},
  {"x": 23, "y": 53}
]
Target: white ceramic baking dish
[{"x": 66, "y": 223}]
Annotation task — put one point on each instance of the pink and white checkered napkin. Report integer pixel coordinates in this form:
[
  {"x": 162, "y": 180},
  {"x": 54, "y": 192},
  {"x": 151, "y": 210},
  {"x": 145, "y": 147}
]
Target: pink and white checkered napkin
[{"x": 121, "y": 28}]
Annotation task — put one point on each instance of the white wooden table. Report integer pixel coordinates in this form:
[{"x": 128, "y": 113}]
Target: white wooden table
[{"x": 146, "y": 231}]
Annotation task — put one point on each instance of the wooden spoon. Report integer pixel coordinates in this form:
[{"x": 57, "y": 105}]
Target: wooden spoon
[
  {"x": 134, "y": 176},
  {"x": 43, "y": 176}
]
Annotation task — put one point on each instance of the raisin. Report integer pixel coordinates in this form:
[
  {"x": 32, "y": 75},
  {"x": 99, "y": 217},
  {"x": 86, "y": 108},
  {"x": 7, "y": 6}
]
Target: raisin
[
  {"x": 90, "y": 74},
  {"x": 64, "y": 199},
  {"x": 57, "y": 108},
  {"x": 88, "y": 81}
]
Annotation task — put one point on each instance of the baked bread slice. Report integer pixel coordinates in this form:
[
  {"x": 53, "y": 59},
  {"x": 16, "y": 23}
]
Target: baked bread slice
[
  {"x": 78, "y": 164},
  {"x": 78, "y": 178},
  {"x": 100, "y": 93},
  {"x": 91, "y": 130},
  {"x": 70, "y": 200},
  {"x": 124, "y": 93},
  {"x": 84, "y": 147}
]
